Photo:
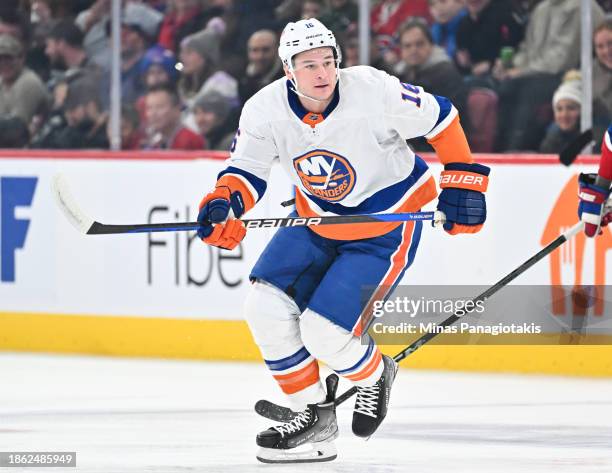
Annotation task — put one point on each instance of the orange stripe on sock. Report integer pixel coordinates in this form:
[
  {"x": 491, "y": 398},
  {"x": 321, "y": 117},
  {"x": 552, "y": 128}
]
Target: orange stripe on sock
[
  {"x": 369, "y": 369},
  {"x": 235, "y": 184},
  {"x": 291, "y": 383}
]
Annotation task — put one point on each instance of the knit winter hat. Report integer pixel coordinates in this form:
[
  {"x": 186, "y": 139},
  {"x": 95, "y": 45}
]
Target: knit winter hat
[
  {"x": 214, "y": 102},
  {"x": 206, "y": 43},
  {"x": 165, "y": 58},
  {"x": 570, "y": 89}
]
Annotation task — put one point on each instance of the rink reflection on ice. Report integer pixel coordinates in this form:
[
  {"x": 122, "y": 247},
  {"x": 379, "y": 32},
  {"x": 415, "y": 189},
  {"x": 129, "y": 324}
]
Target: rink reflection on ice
[{"x": 123, "y": 415}]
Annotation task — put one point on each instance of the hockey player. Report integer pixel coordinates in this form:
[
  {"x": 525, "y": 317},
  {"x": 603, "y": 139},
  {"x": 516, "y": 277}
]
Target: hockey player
[
  {"x": 595, "y": 191},
  {"x": 340, "y": 136}
]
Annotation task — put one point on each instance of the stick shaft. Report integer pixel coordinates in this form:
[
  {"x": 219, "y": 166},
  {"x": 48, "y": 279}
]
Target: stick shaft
[{"x": 98, "y": 228}]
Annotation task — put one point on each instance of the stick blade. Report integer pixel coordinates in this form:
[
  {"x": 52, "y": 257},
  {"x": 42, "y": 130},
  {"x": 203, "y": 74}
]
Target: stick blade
[{"x": 68, "y": 205}]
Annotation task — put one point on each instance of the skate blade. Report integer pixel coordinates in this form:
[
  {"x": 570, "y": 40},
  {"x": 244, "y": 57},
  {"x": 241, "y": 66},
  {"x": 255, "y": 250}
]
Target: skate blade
[{"x": 313, "y": 452}]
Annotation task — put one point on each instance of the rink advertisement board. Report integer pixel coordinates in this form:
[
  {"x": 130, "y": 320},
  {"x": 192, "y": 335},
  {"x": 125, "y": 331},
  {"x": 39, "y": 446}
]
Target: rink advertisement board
[{"x": 50, "y": 270}]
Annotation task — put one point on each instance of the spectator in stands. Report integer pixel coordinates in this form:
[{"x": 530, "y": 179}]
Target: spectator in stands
[
  {"x": 139, "y": 27},
  {"x": 483, "y": 32},
  {"x": 64, "y": 48},
  {"x": 350, "y": 54},
  {"x": 93, "y": 22},
  {"x": 164, "y": 127},
  {"x": 85, "y": 123},
  {"x": 42, "y": 20},
  {"x": 551, "y": 47},
  {"x": 312, "y": 9},
  {"x": 388, "y": 15},
  {"x": 15, "y": 23},
  {"x": 13, "y": 133},
  {"x": 447, "y": 15},
  {"x": 350, "y": 51},
  {"x": 385, "y": 20},
  {"x": 288, "y": 10},
  {"x": 185, "y": 17},
  {"x": 22, "y": 93},
  {"x": 41, "y": 12},
  {"x": 341, "y": 16},
  {"x": 566, "y": 106},
  {"x": 264, "y": 65},
  {"x": 427, "y": 65},
  {"x": 211, "y": 112},
  {"x": 199, "y": 57},
  {"x": 131, "y": 134},
  {"x": 602, "y": 67},
  {"x": 158, "y": 67}
]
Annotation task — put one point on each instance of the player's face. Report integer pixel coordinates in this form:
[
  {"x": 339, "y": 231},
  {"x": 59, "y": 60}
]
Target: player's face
[
  {"x": 567, "y": 114},
  {"x": 416, "y": 48},
  {"x": 315, "y": 72},
  {"x": 603, "y": 47}
]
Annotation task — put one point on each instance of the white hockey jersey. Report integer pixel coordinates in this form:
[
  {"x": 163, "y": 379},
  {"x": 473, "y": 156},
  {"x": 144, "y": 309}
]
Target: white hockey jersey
[{"x": 351, "y": 159}]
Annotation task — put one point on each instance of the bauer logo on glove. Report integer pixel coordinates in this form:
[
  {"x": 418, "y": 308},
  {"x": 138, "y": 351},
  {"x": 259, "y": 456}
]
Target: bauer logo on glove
[{"x": 462, "y": 198}]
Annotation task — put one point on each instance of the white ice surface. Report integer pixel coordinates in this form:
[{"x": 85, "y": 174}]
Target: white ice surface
[{"x": 123, "y": 415}]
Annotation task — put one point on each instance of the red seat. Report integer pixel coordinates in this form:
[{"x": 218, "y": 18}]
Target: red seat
[{"x": 482, "y": 105}]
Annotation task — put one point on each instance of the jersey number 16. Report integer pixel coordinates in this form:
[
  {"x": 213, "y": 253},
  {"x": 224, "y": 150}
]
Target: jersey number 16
[{"x": 411, "y": 93}]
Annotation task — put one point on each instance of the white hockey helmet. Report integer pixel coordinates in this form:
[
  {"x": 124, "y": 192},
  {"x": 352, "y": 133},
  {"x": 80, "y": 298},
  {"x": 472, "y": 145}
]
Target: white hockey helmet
[{"x": 304, "y": 35}]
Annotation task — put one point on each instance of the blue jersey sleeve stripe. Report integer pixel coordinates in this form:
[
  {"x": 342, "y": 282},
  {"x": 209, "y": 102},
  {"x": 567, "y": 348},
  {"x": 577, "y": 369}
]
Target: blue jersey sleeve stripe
[
  {"x": 289, "y": 361},
  {"x": 258, "y": 184},
  {"x": 445, "y": 109}
]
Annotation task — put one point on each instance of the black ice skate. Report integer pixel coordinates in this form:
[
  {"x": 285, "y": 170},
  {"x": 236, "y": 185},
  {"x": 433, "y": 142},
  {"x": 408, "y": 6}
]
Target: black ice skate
[
  {"x": 308, "y": 437},
  {"x": 372, "y": 401}
]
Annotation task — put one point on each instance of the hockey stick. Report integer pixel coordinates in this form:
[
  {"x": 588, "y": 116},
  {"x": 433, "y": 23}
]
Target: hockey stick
[
  {"x": 569, "y": 154},
  {"x": 82, "y": 222},
  {"x": 284, "y": 414}
]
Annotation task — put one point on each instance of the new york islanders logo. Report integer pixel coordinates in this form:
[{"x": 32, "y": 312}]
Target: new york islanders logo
[{"x": 326, "y": 175}]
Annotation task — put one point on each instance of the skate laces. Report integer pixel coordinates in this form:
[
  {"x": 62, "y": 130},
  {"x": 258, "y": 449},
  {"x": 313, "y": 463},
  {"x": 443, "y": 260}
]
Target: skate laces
[
  {"x": 367, "y": 400},
  {"x": 297, "y": 423}
]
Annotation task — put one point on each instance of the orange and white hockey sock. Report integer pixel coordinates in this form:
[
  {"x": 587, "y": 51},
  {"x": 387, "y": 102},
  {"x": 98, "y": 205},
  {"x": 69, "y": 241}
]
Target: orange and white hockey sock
[
  {"x": 298, "y": 377},
  {"x": 341, "y": 350},
  {"x": 368, "y": 369},
  {"x": 273, "y": 319}
]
